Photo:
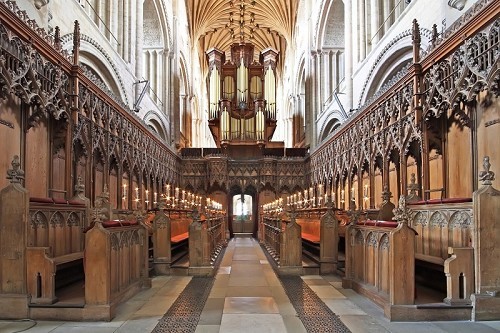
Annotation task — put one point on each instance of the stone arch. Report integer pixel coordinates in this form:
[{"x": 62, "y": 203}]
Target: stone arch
[
  {"x": 93, "y": 55},
  {"x": 331, "y": 24},
  {"x": 157, "y": 124},
  {"x": 393, "y": 58},
  {"x": 328, "y": 127}
]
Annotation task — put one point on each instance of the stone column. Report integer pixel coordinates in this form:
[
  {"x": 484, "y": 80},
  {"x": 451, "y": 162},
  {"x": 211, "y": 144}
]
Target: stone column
[
  {"x": 387, "y": 12},
  {"x": 327, "y": 76},
  {"x": 314, "y": 95},
  {"x": 362, "y": 30},
  {"x": 353, "y": 13},
  {"x": 349, "y": 56},
  {"x": 125, "y": 40},
  {"x": 114, "y": 11},
  {"x": 319, "y": 84},
  {"x": 138, "y": 46},
  {"x": 375, "y": 22}
]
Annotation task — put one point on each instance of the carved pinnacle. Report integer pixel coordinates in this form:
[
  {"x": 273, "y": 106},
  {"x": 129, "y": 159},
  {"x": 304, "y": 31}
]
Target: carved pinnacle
[
  {"x": 486, "y": 176},
  {"x": 416, "y": 32},
  {"x": 79, "y": 186},
  {"x": 413, "y": 187},
  {"x": 402, "y": 213},
  {"x": 15, "y": 175},
  {"x": 386, "y": 194}
]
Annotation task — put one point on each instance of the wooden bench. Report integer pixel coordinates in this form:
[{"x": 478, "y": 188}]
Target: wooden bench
[
  {"x": 380, "y": 262},
  {"x": 117, "y": 251},
  {"x": 54, "y": 254},
  {"x": 320, "y": 236},
  {"x": 170, "y": 238},
  {"x": 281, "y": 238},
  {"x": 206, "y": 240},
  {"x": 445, "y": 229}
]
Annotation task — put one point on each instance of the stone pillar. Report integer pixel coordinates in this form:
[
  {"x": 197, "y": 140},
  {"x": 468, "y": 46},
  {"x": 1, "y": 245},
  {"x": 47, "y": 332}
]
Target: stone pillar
[
  {"x": 126, "y": 22},
  {"x": 327, "y": 77},
  {"x": 387, "y": 12},
  {"x": 355, "y": 30},
  {"x": 375, "y": 23},
  {"x": 159, "y": 82},
  {"x": 349, "y": 56},
  {"x": 319, "y": 86},
  {"x": 311, "y": 96},
  {"x": 362, "y": 30},
  {"x": 138, "y": 46},
  {"x": 113, "y": 24}
]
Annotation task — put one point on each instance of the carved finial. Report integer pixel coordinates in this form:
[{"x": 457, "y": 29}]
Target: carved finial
[
  {"x": 329, "y": 203},
  {"x": 386, "y": 195},
  {"x": 76, "y": 43},
  {"x": 402, "y": 213},
  {"x": 76, "y": 35},
  {"x": 79, "y": 186},
  {"x": 353, "y": 213},
  {"x": 195, "y": 215},
  {"x": 162, "y": 204},
  {"x": 293, "y": 215},
  {"x": 435, "y": 33},
  {"x": 413, "y": 187},
  {"x": 99, "y": 210},
  {"x": 416, "y": 32},
  {"x": 486, "y": 176},
  {"x": 57, "y": 38},
  {"x": 15, "y": 175},
  {"x": 105, "y": 192}
]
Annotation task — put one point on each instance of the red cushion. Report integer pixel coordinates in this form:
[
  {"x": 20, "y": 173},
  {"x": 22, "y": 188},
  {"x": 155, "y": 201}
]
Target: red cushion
[
  {"x": 118, "y": 223},
  {"x": 390, "y": 224},
  {"x": 111, "y": 224},
  {"x": 180, "y": 237},
  {"x": 367, "y": 222},
  {"x": 42, "y": 200},
  {"x": 311, "y": 237},
  {"x": 441, "y": 201},
  {"x": 60, "y": 201},
  {"x": 76, "y": 203}
]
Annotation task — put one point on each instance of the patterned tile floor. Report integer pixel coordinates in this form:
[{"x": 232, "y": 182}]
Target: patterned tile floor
[{"x": 247, "y": 296}]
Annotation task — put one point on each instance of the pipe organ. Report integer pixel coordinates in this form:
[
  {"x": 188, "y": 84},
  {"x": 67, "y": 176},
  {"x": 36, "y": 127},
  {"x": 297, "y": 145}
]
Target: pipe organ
[{"x": 242, "y": 95}]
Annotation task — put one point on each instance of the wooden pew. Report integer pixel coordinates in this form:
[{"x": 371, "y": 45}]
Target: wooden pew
[
  {"x": 320, "y": 235},
  {"x": 170, "y": 233},
  {"x": 207, "y": 237},
  {"x": 54, "y": 242},
  {"x": 117, "y": 266},
  {"x": 444, "y": 243},
  {"x": 282, "y": 240},
  {"x": 380, "y": 262}
]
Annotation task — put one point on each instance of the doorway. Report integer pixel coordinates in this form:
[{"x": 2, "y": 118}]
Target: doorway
[{"x": 242, "y": 213}]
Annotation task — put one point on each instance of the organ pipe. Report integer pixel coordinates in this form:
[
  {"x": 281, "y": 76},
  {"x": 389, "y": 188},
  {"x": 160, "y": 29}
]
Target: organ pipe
[{"x": 242, "y": 94}]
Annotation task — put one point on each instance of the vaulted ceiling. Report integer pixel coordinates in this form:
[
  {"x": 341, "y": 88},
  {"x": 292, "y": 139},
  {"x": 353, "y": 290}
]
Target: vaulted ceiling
[{"x": 266, "y": 23}]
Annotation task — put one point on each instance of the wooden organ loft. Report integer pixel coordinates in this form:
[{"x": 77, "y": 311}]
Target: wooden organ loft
[{"x": 242, "y": 97}]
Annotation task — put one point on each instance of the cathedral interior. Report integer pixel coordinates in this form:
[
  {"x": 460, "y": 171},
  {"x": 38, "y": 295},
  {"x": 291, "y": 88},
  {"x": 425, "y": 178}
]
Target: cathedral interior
[{"x": 249, "y": 166}]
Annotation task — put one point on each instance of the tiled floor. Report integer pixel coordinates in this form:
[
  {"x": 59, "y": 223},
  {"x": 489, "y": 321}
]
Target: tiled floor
[{"x": 247, "y": 297}]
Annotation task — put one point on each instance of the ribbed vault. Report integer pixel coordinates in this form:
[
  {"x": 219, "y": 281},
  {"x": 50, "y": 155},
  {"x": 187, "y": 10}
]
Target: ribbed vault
[{"x": 267, "y": 23}]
